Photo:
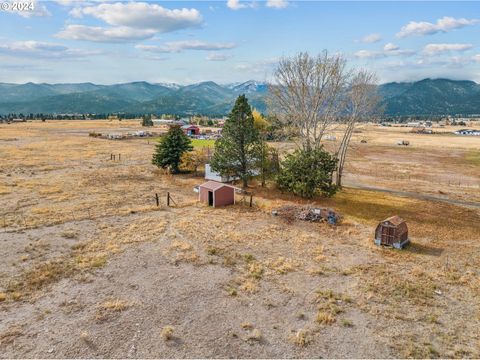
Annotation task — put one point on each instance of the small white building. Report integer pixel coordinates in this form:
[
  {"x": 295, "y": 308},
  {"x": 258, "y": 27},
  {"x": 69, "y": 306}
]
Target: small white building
[
  {"x": 468, "y": 132},
  {"x": 214, "y": 176}
]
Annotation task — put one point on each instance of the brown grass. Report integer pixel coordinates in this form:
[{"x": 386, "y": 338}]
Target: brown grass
[
  {"x": 167, "y": 333},
  {"x": 74, "y": 181},
  {"x": 301, "y": 338},
  {"x": 115, "y": 305}
]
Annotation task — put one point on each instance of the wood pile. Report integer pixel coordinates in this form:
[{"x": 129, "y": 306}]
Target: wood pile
[{"x": 291, "y": 213}]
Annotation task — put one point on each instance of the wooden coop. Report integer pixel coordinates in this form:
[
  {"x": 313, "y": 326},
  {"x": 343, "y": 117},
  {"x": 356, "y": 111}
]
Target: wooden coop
[
  {"x": 392, "y": 232},
  {"x": 216, "y": 194}
]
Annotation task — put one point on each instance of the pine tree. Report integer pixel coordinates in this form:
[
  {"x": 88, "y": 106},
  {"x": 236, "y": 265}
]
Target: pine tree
[
  {"x": 147, "y": 120},
  {"x": 238, "y": 150},
  {"x": 170, "y": 149}
]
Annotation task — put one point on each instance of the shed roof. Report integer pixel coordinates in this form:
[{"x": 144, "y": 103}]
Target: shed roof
[
  {"x": 214, "y": 185},
  {"x": 395, "y": 220}
]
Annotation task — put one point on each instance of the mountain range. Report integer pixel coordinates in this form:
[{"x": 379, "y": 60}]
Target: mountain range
[{"x": 425, "y": 97}]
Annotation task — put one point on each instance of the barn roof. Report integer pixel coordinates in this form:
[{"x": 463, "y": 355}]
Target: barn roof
[
  {"x": 214, "y": 185},
  {"x": 395, "y": 220}
]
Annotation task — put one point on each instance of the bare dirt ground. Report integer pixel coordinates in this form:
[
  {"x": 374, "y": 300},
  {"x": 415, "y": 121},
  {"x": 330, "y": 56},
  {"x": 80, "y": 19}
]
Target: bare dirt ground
[{"x": 92, "y": 268}]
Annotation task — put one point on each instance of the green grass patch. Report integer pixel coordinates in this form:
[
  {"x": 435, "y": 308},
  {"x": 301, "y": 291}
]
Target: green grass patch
[{"x": 198, "y": 143}]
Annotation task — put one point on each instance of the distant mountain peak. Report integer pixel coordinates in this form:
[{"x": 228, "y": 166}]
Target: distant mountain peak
[{"x": 424, "y": 97}]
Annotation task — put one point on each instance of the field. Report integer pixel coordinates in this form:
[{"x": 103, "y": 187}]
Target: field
[{"x": 92, "y": 268}]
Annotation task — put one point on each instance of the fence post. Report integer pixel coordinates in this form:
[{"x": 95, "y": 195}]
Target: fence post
[
  {"x": 157, "y": 200},
  {"x": 168, "y": 199},
  {"x": 251, "y": 197},
  {"x": 119, "y": 157}
]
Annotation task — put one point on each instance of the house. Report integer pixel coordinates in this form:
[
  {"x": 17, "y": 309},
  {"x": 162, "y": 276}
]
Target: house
[
  {"x": 469, "y": 132},
  {"x": 159, "y": 122},
  {"x": 216, "y": 194},
  {"x": 191, "y": 130},
  {"x": 392, "y": 231},
  {"x": 214, "y": 176}
]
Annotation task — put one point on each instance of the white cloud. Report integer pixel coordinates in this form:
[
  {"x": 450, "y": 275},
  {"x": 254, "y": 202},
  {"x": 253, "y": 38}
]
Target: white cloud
[
  {"x": 128, "y": 21},
  {"x": 371, "y": 38},
  {"x": 366, "y": 54},
  {"x": 259, "y": 67},
  {"x": 476, "y": 58},
  {"x": 277, "y": 4},
  {"x": 390, "y": 47},
  {"x": 142, "y": 15},
  {"x": 178, "y": 46},
  {"x": 217, "y": 57},
  {"x": 388, "y": 50},
  {"x": 36, "y": 49},
  {"x": 101, "y": 34},
  {"x": 444, "y": 24},
  {"x": 237, "y": 5},
  {"x": 433, "y": 49},
  {"x": 35, "y": 8}
]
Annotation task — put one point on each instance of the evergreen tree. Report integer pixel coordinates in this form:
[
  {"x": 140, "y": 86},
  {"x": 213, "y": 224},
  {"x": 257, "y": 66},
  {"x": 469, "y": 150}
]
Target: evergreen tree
[
  {"x": 147, "y": 120},
  {"x": 238, "y": 151},
  {"x": 308, "y": 172},
  {"x": 170, "y": 149}
]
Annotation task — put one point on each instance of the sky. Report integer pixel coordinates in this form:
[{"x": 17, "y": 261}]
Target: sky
[{"x": 107, "y": 42}]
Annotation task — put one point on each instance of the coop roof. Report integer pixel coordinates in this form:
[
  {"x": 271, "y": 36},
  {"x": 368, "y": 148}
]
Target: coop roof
[
  {"x": 214, "y": 185},
  {"x": 394, "y": 220}
]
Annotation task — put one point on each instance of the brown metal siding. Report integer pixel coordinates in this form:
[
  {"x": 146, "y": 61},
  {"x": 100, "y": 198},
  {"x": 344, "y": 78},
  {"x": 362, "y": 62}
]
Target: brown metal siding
[
  {"x": 224, "y": 196},
  {"x": 203, "y": 194},
  {"x": 221, "y": 197}
]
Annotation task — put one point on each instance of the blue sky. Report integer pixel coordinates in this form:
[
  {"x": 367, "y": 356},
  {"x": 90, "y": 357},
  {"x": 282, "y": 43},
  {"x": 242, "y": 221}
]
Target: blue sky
[{"x": 228, "y": 41}]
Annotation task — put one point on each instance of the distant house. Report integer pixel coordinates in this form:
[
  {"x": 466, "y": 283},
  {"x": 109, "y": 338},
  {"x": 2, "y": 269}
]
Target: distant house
[
  {"x": 469, "y": 132},
  {"x": 158, "y": 122},
  {"x": 216, "y": 194},
  {"x": 421, "y": 130},
  {"x": 392, "y": 231},
  {"x": 214, "y": 176},
  {"x": 191, "y": 130}
]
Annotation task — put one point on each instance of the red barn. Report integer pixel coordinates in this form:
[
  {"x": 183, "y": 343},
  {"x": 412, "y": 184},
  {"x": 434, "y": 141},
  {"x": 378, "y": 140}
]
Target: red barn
[
  {"x": 191, "y": 130},
  {"x": 216, "y": 194}
]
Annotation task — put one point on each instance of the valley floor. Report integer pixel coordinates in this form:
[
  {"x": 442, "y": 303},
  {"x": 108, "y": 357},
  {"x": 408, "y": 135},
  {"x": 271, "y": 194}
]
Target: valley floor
[{"x": 92, "y": 268}]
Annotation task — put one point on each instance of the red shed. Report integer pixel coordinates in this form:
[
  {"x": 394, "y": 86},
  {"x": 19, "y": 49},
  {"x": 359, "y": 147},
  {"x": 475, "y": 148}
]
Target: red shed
[
  {"x": 191, "y": 130},
  {"x": 392, "y": 231},
  {"x": 216, "y": 194}
]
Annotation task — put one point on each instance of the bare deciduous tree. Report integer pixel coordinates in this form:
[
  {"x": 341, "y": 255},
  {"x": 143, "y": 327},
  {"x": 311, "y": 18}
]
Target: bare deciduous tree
[
  {"x": 308, "y": 94},
  {"x": 360, "y": 104}
]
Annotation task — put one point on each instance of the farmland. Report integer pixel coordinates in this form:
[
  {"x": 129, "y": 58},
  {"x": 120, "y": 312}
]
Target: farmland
[{"x": 91, "y": 267}]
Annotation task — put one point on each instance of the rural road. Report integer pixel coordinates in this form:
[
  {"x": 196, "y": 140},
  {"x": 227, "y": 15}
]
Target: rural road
[{"x": 414, "y": 195}]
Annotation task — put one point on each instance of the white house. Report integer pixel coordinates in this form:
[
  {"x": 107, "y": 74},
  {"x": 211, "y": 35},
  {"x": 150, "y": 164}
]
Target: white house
[
  {"x": 212, "y": 175},
  {"x": 469, "y": 132}
]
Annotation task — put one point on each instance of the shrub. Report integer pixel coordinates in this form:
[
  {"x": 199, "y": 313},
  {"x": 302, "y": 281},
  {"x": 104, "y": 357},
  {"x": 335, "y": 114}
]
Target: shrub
[{"x": 307, "y": 173}]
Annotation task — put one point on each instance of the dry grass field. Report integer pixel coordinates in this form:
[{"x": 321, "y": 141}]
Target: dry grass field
[{"x": 92, "y": 268}]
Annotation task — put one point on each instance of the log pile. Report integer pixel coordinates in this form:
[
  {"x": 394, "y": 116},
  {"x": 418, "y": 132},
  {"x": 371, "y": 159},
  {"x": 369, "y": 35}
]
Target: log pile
[{"x": 307, "y": 213}]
